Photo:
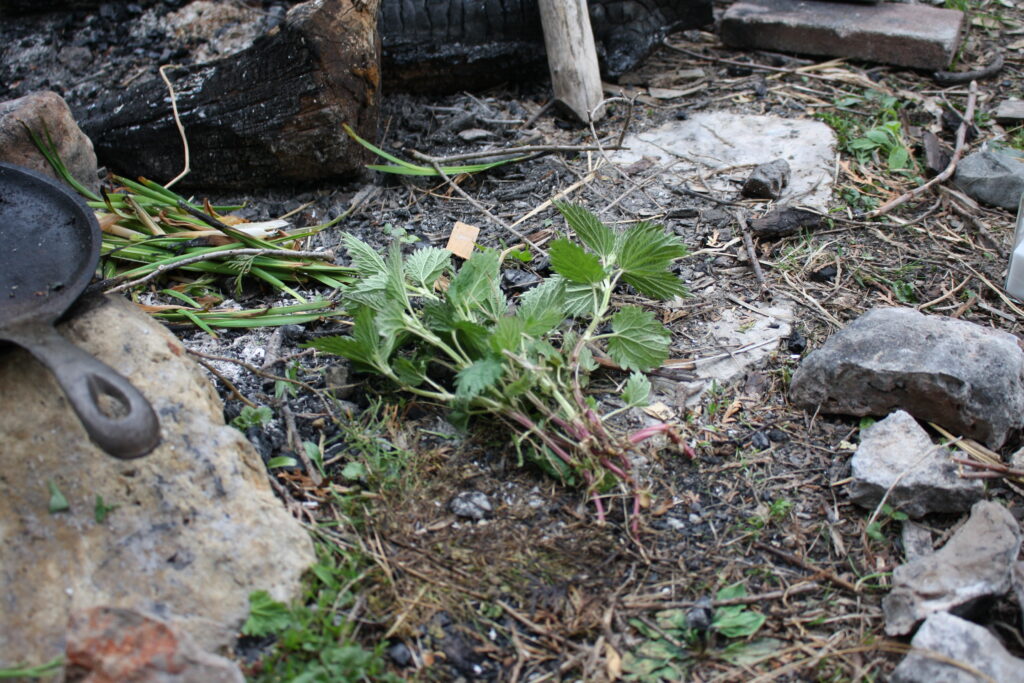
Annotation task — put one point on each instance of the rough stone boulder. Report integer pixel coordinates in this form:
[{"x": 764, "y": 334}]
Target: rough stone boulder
[
  {"x": 897, "y": 459},
  {"x": 46, "y": 112},
  {"x": 974, "y": 565},
  {"x": 184, "y": 534},
  {"x": 959, "y": 642},
  {"x": 968, "y": 378}
]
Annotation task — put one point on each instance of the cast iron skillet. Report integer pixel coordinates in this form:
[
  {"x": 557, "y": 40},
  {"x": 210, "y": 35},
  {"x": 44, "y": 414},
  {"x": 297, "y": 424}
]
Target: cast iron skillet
[{"x": 49, "y": 247}]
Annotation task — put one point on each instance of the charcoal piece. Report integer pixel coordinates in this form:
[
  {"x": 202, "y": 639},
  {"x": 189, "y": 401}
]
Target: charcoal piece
[{"x": 784, "y": 222}]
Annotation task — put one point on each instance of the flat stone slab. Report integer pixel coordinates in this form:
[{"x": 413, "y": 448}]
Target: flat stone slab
[
  {"x": 716, "y": 151},
  {"x": 1010, "y": 111},
  {"x": 916, "y": 36}
]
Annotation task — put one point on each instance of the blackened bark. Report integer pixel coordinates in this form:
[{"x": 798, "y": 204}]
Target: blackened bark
[{"x": 269, "y": 115}]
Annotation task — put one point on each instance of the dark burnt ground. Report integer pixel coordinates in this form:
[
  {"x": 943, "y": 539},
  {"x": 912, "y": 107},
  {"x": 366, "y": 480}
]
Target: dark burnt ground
[{"x": 539, "y": 591}]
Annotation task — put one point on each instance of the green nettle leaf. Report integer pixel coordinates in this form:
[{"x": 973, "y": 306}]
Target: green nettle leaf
[
  {"x": 438, "y": 316},
  {"x": 575, "y": 264},
  {"x": 367, "y": 261},
  {"x": 737, "y": 622},
  {"x": 354, "y": 471},
  {"x": 898, "y": 158},
  {"x": 396, "y": 275},
  {"x": 508, "y": 335},
  {"x": 474, "y": 339},
  {"x": 409, "y": 373},
  {"x": 362, "y": 347},
  {"x": 542, "y": 308},
  {"x": 639, "y": 342},
  {"x": 475, "y": 378},
  {"x": 424, "y": 266},
  {"x": 475, "y": 286},
  {"x": 588, "y": 228},
  {"x": 646, "y": 253},
  {"x": 637, "y": 391}
]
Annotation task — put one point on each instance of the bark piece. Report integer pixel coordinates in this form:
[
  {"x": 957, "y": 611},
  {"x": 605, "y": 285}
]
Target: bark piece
[
  {"x": 784, "y": 222},
  {"x": 268, "y": 115}
]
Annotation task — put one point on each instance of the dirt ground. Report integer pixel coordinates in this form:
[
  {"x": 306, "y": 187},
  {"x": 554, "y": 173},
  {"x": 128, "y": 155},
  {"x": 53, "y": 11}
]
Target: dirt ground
[{"x": 539, "y": 590}]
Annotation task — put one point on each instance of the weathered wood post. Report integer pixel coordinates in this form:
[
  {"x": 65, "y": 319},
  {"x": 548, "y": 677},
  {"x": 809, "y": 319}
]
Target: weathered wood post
[{"x": 572, "y": 57}]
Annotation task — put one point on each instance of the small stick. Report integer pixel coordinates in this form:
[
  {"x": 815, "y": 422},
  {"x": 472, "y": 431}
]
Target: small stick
[
  {"x": 480, "y": 207},
  {"x": 511, "y": 151},
  {"x": 751, "y": 252},
  {"x": 299, "y": 447},
  {"x": 210, "y": 256},
  {"x": 231, "y": 387},
  {"x": 177, "y": 122},
  {"x": 961, "y": 137},
  {"x": 801, "y": 562}
]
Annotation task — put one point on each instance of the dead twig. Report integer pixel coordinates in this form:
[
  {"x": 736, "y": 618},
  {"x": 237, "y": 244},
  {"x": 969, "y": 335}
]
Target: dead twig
[
  {"x": 511, "y": 151},
  {"x": 958, "y": 151},
  {"x": 809, "y": 566},
  {"x": 177, "y": 122},
  {"x": 748, "y": 242}
]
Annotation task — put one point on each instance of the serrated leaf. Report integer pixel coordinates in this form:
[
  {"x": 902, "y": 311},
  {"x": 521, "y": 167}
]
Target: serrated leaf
[
  {"x": 658, "y": 285},
  {"x": 580, "y": 300},
  {"x": 473, "y": 379},
  {"x": 438, "y": 317},
  {"x": 637, "y": 391},
  {"x": 542, "y": 308},
  {"x": 473, "y": 338},
  {"x": 475, "y": 288},
  {"x": 518, "y": 387},
  {"x": 575, "y": 264},
  {"x": 508, "y": 335},
  {"x": 409, "y": 373},
  {"x": 396, "y": 275},
  {"x": 367, "y": 261},
  {"x": 362, "y": 347},
  {"x": 639, "y": 341},
  {"x": 424, "y": 266},
  {"x": 645, "y": 254},
  {"x": 588, "y": 228}
]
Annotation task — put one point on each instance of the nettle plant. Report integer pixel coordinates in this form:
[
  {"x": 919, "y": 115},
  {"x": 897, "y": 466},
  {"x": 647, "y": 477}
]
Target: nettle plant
[{"x": 453, "y": 337}]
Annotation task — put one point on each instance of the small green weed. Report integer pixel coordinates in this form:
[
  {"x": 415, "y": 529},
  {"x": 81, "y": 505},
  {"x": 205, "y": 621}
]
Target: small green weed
[
  {"x": 889, "y": 514},
  {"x": 252, "y": 417},
  {"x": 673, "y": 647},
  {"x": 51, "y": 668}
]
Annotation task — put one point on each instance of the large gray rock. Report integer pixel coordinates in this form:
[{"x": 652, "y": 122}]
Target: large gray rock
[
  {"x": 960, "y": 641},
  {"x": 196, "y": 527},
  {"x": 46, "y": 112},
  {"x": 992, "y": 176},
  {"x": 976, "y": 563},
  {"x": 897, "y": 457},
  {"x": 968, "y": 378}
]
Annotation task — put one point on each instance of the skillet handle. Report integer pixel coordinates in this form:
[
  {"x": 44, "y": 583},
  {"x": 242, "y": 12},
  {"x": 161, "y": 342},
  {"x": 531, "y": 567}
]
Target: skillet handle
[{"x": 116, "y": 415}]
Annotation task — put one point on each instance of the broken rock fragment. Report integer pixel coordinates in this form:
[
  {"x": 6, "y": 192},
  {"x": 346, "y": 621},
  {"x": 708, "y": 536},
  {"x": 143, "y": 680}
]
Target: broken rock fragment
[
  {"x": 958, "y": 641},
  {"x": 896, "y": 457},
  {"x": 976, "y": 563},
  {"x": 965, "y": 377},
  {"x": 783, "y": 222},
  {"x": 995, "y": 177},
  {"x": 767, "y": 181}
]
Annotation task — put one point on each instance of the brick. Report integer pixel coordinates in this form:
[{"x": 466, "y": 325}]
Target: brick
[{"x": 915, "y": 36}]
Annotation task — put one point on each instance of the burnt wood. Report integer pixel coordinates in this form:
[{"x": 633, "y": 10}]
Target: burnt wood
[
  {"x": 269, "y": 115},
  {"x": 445, "y": 45}
]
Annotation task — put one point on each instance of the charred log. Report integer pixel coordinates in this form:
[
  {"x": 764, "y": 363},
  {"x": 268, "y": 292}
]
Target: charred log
[
  {"x": 268, "y": 115},
  {"x": 432, "y": 45}
]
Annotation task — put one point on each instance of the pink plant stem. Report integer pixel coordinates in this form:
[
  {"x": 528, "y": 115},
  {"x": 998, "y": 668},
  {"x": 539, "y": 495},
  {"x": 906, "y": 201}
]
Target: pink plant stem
[
  {"x": 616, "y": 470},
  {"x": 634, "y": 523},
  {"x": 595, "y": 497},
  {"x": 546, "y": 438}
]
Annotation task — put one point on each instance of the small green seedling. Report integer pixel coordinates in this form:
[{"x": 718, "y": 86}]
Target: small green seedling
[{"x": 252, "y": 417}]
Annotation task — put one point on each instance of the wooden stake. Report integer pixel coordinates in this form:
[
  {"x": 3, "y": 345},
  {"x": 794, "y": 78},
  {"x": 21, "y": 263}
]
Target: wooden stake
[{"x": 572, "y": 57}]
